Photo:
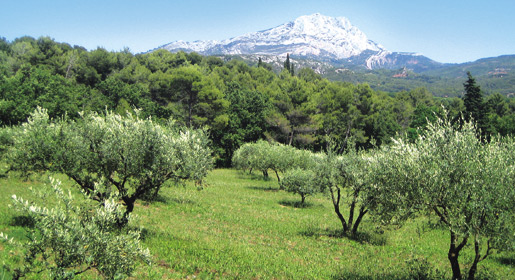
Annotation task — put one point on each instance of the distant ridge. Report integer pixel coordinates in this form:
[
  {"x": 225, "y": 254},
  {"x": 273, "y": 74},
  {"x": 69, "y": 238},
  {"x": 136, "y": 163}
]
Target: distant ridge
[{"x": 316, "y": 36}]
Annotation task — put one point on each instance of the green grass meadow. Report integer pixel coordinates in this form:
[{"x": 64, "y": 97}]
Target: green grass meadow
[{"x": 240, "y": 226}]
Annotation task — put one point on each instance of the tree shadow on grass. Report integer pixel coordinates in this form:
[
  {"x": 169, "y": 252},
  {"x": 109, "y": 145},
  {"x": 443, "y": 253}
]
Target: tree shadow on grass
[
  {"x": 157, "y": 198},
  {"x": 23, "y": 221},
  {"x": 356, "y": 276},
  {"x": 296, "y": 204},
  {"x": 415, "y": 267},
  {"x": 371, "y": 238},
  {"x": 375, "y": 239},
  {"x": 144, "y": 233},
  {"x": 254, "y": 176},
  {"x": 262, "y": 188},
  {"x": 506, "y": 260},
  {"x": 167, "y": 200},
  {"x": 177, "y": 200}
]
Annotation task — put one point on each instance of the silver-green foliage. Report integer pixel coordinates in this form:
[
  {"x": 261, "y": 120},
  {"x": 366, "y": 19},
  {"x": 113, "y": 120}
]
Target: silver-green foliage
[
  {"x": 279, "y": 158},
  {"x": 299, "y": 181},
  {"x": 76, "y": 235},
  {"x": 130, "y": 155},
  {"x": 451, "y": 174}
]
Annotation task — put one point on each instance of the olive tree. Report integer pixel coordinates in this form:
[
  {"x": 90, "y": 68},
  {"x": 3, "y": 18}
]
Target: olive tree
[
  {"x": 74, "y": 235},
  {"x": 259, "y": 157},
  {"x": 252, "y": 156},
  {"x": 131, "y": 156},
  {"x": 280, "y": 158},
  {"x": 283, "y": 158},
  {"x": 266, "y": 156},
  {"x": 451, "y": 174},
  {"x": 348, "y": 181},
  {"x": 299, "y": 181},
  {"x": 240, "y": 158}
]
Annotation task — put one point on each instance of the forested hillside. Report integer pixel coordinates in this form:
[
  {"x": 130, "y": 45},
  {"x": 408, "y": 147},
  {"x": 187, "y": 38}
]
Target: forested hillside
[
  {"x": 496, "y": 75},
  {"x": 234, "y": 102}
]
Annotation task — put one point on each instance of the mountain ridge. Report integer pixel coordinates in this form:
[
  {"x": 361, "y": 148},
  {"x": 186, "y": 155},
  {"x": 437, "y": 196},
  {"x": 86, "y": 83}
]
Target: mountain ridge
[{"x": 315, "y": 36}]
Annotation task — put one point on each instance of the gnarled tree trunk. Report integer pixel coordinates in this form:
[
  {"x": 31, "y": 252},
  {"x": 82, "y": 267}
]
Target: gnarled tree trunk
[{"x": 454, "y": 254}]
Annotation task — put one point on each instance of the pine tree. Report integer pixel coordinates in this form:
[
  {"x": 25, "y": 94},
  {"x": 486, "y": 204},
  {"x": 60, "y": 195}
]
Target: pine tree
[
  {"x": 474, "y": 105},
  {"x": 473, "y": 99},
  {"x": 260, "y": 62}
]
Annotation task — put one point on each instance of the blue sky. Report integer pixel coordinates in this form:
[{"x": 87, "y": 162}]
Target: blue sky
[{"x": 452, "y": 31}]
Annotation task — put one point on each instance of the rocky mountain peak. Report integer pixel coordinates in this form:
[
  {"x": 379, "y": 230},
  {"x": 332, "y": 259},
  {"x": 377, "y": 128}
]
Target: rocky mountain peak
[{"x": 314, "y": 36}]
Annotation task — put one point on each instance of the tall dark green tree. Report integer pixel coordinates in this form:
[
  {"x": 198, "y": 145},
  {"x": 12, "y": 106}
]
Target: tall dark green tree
[
  {"x": 292, "y": 122},
  {"x": 473, "y": 98},
  {"x": 287, "y": 62},
  {"x": 474, "y": 105},
  {"x": 288, "y": 65}
]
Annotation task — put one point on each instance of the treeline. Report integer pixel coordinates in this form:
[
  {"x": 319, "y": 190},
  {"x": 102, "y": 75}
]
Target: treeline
[{"x": 235, "y": 102}]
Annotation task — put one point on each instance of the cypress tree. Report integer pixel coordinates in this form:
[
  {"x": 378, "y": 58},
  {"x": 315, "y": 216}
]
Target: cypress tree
[
  {"x": 473, "y": 99},
  {"x": 287, "y": 63},
  {"x": 474, "y": 105}
]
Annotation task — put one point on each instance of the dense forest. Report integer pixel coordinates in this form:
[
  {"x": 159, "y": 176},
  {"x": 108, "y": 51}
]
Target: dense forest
[{"x": 234, "y": 102}]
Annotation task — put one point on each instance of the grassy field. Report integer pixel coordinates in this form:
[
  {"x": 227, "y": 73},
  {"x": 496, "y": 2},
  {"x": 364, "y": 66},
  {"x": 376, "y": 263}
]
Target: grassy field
[{"x": 242, "y": 227}]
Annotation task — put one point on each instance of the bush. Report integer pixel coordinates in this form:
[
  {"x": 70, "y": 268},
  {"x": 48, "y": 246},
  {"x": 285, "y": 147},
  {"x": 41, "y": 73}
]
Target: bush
[
  {"x": 419, "y": 268},
  {"x": 75, "y": 236},
  {"x": 6, "y": 139}
]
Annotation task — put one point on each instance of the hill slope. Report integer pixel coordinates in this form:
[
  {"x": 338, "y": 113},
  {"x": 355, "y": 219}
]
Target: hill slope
[{"x": 494, "y": 75}]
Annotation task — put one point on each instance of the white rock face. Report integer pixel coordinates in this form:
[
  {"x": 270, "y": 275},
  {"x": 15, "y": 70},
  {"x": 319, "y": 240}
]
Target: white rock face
[
  {"x": 376, "y": 60},
  {"x": 315, "y": 35}
]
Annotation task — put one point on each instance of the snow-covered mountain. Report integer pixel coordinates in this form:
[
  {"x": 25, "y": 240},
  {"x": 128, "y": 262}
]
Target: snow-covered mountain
[{"x": 315, "y": 36}]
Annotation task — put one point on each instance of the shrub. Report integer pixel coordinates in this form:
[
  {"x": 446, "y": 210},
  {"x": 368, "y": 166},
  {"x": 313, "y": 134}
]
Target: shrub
[
  {"x": 75, "y": 236},
  {"x": 6, "y": 139}
]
